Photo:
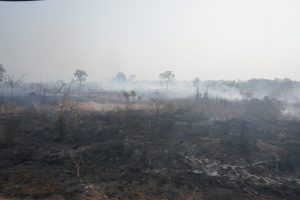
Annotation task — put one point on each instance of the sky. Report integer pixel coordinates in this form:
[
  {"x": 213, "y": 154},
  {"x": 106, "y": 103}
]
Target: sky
[{"x": 216, "y": 39}]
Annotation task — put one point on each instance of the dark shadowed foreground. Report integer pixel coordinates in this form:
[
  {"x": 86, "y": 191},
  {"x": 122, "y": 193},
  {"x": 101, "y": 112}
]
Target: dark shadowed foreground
[{"x": 171, "y": 149}]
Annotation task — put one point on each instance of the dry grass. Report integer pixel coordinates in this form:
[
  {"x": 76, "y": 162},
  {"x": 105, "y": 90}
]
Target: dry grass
[
  {"x": 104, "y": 107},
  {"x": 11, "y": 109}
]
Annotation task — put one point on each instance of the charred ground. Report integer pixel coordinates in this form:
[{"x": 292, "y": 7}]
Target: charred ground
[{"x": 193, "y": 148}]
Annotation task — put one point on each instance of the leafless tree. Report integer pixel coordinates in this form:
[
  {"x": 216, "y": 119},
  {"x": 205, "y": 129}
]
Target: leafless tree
[
  {"x": 64, "y": 106},
  {"x": 76, "y": 157},
  {"x": 196, "y": 84},
  {"x": 12, "y": 81}
]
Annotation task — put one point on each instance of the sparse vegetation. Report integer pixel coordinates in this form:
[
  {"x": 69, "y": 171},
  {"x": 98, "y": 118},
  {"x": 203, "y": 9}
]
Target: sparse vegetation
[
  {"x": 120, "y": 127},
  {"x": 155, "y": 147}
]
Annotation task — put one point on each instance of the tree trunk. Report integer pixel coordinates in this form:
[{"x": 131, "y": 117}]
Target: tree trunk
[
  {"x": 78, "y": 170},
  {"x": 12, "y": 91}
]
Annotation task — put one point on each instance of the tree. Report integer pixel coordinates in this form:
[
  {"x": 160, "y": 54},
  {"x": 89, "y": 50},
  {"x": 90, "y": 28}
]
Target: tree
[
  {"x": 120, "y": 77},
  {"x": 196, "y": 84},
  {"x": 13, "y": 82},
  {"x": 167, "y": 76},
  {"x": 2, "y": 71},
  {"x": 76, "y": 157},
  {"x": 64, "y": 105},
  {"x": 80, "y": 76}
]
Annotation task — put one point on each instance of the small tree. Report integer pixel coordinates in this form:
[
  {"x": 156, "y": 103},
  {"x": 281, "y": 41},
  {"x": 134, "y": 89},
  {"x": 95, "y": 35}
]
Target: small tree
[
  {"x": 76, "y": 157},
  {"x": 120, "y": 77},
  {"x": 167, "y": 76},
  {"x": 2, "y": 71},
  {"x": 13, "y": 82},
  {"x": 196, "y": 84},
  {"x": 80, "y": 76},
  {"x": 129, "y": 98},
  {"x": 64, "y": 107}
]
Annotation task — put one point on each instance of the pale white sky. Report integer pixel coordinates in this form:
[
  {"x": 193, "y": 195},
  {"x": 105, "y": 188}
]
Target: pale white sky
[{"x": 212, "y": 39}]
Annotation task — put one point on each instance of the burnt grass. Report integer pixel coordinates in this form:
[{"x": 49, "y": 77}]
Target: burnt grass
[{"x": 138, "y": 154}]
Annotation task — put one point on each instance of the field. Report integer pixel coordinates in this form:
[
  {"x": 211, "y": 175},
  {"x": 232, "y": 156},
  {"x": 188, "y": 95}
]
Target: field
[{"x": 112, "y": 145}]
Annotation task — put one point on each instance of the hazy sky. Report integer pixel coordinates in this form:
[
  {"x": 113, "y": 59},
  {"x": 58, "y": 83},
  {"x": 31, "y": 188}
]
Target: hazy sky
[{"x": 212, "y": 39}]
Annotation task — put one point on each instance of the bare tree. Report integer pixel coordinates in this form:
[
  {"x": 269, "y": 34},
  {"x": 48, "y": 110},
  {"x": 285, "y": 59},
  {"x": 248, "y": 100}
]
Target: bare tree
[
  {"x": 207, "y": 88},
  {"x": 64, "y": 106},
  {"x": 42, "y": 90},
  {"x": 13, "y": 82},
  {"x": 196, "y": 84},
  {"x": 167, "y": 76},
  {"x": 76, "y": 156},
  {"x": 80, "y": 76}
]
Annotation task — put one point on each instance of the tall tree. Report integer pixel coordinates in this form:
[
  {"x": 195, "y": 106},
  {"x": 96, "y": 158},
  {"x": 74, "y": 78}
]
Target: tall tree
[
  {"x": 167, "y": 76},
  {"x": 80, "y": 76}
]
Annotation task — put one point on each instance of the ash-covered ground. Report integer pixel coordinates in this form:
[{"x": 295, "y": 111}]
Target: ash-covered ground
[{"x": 123, "y": 145}]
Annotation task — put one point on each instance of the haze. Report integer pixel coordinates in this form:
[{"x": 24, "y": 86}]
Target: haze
[{"x": 216, "y": 39}]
